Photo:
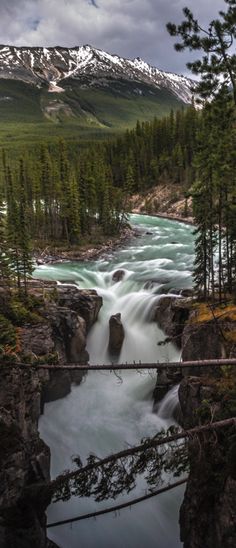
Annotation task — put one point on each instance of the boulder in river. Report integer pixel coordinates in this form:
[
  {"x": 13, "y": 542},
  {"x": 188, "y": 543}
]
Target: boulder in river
[
  {"x": 150, "y": 284},
  {"x": 116, "y": 334},
  {"x": 118, "y": 275}
]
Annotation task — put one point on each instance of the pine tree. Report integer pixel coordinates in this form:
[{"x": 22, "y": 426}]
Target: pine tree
[
  {"x": 74, "y": 212},
  {"x": 64, "y": 189},
  {"x": 215, "y": 158},
  {"x": 13, "y": 226},
  {"x": 203, "y": 192},
  {"x": 18, "y": 235},
  {"x": 5, "y": 272},
  {"x": 128, "y": 185},
  {"x": 25, "y": 263},
  {"x": 217, "y": 65}
]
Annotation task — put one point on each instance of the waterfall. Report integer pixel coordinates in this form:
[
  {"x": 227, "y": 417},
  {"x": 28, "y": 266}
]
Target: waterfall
[
  {"x": 103, "y": 415},
  {"x": 169, "y": 404}
]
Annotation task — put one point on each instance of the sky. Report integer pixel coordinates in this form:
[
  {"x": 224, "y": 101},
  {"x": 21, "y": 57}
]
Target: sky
[{"x": 129, "y": 28}]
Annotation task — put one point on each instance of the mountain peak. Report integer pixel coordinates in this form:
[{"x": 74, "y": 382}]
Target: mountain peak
[{"x": 55, "y": 65}]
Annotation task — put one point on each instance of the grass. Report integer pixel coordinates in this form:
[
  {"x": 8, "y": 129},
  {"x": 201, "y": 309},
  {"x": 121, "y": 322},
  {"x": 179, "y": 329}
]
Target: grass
[{"x": 204, "y": 312}]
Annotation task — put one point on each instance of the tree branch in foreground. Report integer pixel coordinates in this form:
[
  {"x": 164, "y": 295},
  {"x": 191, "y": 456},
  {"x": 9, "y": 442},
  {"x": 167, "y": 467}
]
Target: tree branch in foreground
[
  {"x": 119, "y": 506},
  {"x": 108, "y": 477}
]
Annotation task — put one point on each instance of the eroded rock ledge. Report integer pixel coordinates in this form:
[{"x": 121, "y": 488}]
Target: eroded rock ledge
[
  {"x": 207, "y": 515},
  {"x": 67, "y": 315}
]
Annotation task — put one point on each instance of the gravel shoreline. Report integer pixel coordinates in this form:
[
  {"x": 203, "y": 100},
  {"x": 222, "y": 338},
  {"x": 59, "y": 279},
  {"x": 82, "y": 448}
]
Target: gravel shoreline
[{"x": 93, "y": 253}]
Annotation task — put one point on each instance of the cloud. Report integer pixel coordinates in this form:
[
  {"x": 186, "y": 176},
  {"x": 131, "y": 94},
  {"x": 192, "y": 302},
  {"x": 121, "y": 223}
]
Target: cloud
[{"x": 129, "y": 28}]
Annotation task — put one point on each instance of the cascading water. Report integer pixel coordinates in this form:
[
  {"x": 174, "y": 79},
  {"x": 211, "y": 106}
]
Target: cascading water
[{"x": 101, "y": 415}]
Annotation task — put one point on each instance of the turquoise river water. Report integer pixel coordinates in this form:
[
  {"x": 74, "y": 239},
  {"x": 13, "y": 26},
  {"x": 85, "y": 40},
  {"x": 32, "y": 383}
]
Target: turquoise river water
[{"x": 101, "y": 415}]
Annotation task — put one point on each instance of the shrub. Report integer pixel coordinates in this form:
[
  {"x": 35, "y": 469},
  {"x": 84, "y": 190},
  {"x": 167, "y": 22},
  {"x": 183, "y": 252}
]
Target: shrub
[{"x": 7, "y": 333}]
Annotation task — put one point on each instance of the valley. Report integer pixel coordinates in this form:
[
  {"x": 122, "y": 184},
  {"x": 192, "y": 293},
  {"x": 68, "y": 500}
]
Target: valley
[
  {"x": 117, "y": 276},
  {"x": 80, "y": 93}
]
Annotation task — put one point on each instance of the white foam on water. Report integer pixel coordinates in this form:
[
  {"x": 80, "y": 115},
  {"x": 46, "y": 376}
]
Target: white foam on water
[{"x": 101, "y": 415}]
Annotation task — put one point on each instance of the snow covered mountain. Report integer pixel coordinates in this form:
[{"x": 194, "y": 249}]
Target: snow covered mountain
[{"x": 89, "y": 67}]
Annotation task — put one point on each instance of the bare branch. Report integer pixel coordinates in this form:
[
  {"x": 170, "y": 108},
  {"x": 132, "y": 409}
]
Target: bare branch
[{"x": 127, "y": 504}]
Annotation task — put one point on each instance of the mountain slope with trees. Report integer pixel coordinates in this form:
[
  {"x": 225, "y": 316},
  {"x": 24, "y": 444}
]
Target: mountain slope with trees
[{"x": 79, "y": 93}]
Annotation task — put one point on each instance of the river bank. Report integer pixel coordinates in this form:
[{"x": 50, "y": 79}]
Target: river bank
[
  {"x": 90, "y": 252},
  {"x": 170, "y": 216},
  {"x": 166, "y": 200}
]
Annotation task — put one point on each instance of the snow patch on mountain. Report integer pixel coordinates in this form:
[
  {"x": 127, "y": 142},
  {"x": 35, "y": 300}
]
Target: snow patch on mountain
[
  {"x": 53, "y": 65},
  {"x": 54, "y": 88}
]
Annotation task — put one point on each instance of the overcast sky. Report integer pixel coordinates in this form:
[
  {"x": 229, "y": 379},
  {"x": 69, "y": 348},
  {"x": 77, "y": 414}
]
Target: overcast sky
[{"x": 129, "y": 28}]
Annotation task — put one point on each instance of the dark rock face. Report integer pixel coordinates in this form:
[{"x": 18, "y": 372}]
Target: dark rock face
[
  {"x": 116, "y": 334},
  {"x": 171, "y": 313},
  {"x": 70, "y": 319},
  {"x": 86, "y": 302},
  {"x": 163, "y": 386},
  {"x": 186, "y": 292},
  {"x": 201, "y": 342},
  {"x": 207, "y": 515},
  {"x": 118, "y": 275},
  {"x": 69, "y": 333},
  {"x": 24, "y": 457},
  {"x": 58, "y": 386},
  {"x": 37, "y": 340},
  {"x": 166, "y": 380}
]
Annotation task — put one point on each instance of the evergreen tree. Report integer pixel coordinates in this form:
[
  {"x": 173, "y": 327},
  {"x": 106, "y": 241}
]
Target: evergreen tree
[
  {"x": 18, "y": 228},
  {"x": 214, "y": 159},
  {"x": 25, "y": 265},
  {"x": 74, "y": 214},
  {"x": 5, "y": 272},
  {"x": 13, "y": 227},
  {"x": 64, "y": 190},
  {"x": 218, "y": 63}
]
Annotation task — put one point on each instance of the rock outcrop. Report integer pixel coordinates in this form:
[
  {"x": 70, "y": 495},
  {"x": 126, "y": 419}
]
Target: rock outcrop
[
  {"x": 171, "y": 314},
  {"x": 66, "y": 316},
  {"x": 24, "y": 460},
  {"x": 201, "y": 342},
  {"x": 116, "y": 335},
  {"x": 118, "y": 275},
  {"x": 207, "y": 515},
  {"x": 86, "y": 302},
  {"x": 166, "y": 380}
]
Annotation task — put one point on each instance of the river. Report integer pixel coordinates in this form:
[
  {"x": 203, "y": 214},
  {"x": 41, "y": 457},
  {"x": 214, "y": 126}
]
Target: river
[{"x": 103, "y": 415}]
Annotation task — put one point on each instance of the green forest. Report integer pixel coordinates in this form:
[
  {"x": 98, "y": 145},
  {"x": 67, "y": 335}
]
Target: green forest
[{"x": 61, "y": 194}]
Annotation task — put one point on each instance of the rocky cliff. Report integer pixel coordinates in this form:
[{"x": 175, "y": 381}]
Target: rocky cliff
[
  {"x": 207, "y": 515},
  {"x": 66, "y": 316},
  {"x": 171, "y": 314}
]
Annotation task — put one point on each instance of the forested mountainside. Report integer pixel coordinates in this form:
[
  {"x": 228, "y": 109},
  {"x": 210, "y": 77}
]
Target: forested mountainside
[
  {"x": 81, "y": 91},
  {"x": 61, "y": 195}
]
